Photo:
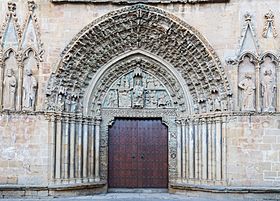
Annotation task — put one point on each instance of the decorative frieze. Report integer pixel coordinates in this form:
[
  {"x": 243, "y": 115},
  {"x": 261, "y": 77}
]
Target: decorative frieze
[{"x": 141, "y": 1}]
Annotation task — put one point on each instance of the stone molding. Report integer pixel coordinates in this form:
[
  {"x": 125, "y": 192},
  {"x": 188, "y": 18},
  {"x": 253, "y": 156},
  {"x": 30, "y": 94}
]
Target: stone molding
[{"x": 141, "y": 1}]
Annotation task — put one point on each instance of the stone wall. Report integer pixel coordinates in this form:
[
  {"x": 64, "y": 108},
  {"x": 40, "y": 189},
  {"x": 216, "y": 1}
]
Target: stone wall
[{"x": 251, "y": 138}]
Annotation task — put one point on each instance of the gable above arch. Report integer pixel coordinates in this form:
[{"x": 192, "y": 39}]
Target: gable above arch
[{"x": 154, "y": 31}]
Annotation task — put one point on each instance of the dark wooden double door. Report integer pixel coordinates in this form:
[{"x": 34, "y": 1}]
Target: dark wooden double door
[{"x": 138, "y": 154}]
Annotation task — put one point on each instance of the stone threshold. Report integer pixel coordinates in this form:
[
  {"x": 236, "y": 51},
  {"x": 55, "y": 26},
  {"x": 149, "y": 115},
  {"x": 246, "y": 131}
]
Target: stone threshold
[
  {"x": 137, "y": 190},
  {"x": 223, "y": 189}
]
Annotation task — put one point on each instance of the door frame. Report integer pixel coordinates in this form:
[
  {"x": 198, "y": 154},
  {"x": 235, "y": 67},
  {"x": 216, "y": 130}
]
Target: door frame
[{"x": 168, "y": 118}]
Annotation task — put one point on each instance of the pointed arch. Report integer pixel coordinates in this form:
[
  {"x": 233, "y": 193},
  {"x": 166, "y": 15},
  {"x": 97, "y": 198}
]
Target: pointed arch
[{"x": 151, "y": 30}]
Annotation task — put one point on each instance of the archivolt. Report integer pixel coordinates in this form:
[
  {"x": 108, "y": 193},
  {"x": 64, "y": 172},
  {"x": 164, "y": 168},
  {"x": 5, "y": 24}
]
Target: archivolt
[{"x": 142, "y": 27}]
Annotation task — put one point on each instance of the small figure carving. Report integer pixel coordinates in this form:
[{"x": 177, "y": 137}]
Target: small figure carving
[
  {"x": 60, "y": 103},
  {"x": 112, "y": 99},
  {"x": 163, "y": 100},
  {"x": 248, "y": 87},
  {"x": 151, "y": 100},
  {"x": 138, "y": 94},
  {"x": 210, "y": 105},
  {"x": 217, "y": 104},
  {"x": 268, "y": 91},
  {"x": 68, "y": 103},
  {"x": 29, "y": 90},
  {"x": 10, "y": 84},
  {"x": 74, "y": 104}
]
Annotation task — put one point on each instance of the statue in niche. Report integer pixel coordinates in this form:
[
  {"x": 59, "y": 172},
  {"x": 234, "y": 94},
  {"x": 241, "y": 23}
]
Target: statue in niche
[
  {"x": 138, "y": 94},
  {"x": 268, "y": 91},
  {"x": 29, "y": 90},
  {"x": 124, "y": 93},
  {"x": 248, "y": 87},
  {"x": 68, "y": 103},
  {"x": 60, "y": 103},
  {"x": 74, "y": 104},
  {"x": 10, "y": 84},
  {"x": 217, "y": 104}
]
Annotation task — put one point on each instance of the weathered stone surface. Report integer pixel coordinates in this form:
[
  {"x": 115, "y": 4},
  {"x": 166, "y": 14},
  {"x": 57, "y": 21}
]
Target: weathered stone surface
[{"x": 217, "y": 138}]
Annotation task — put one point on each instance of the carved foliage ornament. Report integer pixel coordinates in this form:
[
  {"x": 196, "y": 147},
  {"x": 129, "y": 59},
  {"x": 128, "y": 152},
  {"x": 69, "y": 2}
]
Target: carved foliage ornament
[
  {"x": 156, "y": 32},
  {"x": 141, "y": 1},
  {"x": 269, "y": 29}
]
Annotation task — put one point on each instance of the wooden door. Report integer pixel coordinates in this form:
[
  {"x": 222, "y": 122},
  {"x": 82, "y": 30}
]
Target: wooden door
[{"x": 138, "y": 154}]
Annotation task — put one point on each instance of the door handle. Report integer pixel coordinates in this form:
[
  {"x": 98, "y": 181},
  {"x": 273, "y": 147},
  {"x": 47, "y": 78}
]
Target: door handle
[{"x": 142, "y": 156}]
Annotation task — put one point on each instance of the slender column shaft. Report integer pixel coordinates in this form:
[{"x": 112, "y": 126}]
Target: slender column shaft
[
  {"x": 179, "y": 151},
  {"x": 1, "y": 84},
  {"x": 72, "y": 148},
  {"x": 183, "y": 149},
  {"x": 191, "y": 150},
  {"x": 58, "y": 149},
  {"x": 196, "y": 133},
  {"x": 97, "y": 151},
  {"x": 66, "y": 153},
  {"x": 79, "y": 147},
  {"x": 204, "y": 150},
  {"x": 85, "y": 150},
  {"x": 210, "y": 148},
  {"x": 278, "y": 88},
  {"x": 218, "y": 149},
  {"x": 258, "y": 105},
  {"x": 52, "y": 129},
  {"x": 214, "y": 128}
]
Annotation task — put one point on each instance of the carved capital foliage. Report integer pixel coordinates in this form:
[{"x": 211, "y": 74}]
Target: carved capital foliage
[{"x": 154, "y": 31}]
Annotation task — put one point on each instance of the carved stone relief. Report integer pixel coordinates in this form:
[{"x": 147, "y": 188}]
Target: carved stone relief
[
  {"x": 137, "y": 89},
  {"x": 158, "y": 33},
  {"x": 268, "y": 84},
  {"x": 269, "y": 30},
  {"x": 22, "y": 54},
  {"x": 9, "y": 94},
  {"x": 248, "y": 41},
  {"x": 246, "y": 84}
]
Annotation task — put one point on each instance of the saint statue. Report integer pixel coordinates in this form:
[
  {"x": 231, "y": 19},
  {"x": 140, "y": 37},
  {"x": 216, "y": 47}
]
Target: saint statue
[
  {"x": 268, "y": 91},
  {"x": 138, "y": 94},
  {"x": 29, "y": 90},
  {"x": 248, "y": 87},
  {"x": 10, "y": 84}
]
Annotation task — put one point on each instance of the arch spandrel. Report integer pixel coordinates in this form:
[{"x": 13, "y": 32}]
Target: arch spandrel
[{"x": 152, "y": 30}]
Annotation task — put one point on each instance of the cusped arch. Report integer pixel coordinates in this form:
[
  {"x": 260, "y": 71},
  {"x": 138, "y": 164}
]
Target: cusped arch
[{"x": 151, "y": 30}]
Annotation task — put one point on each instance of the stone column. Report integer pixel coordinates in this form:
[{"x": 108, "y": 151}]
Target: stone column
[
  {"x": 218, "y": 148},
  {"x": 72, "y": 148},
  {"x": 258, "y": 95},
  {"x": 58, "y": 148},
  {"x": 210, "y": 147},
  {"x": 1, "y": 83},
  {"x": 196, "y": 148},
  {"x": 65, "y": 151},
  {"x": 213, "y": 151},
  {"x": 85, "y": 151},
  {"x": 179, "y": 150},
  {"x": 204, "y": 150},
  {"x": 78, "y": 151},
  {"x": 224, "y": 148},
  {"x": 19, "y": 87},
  {"x": 278, "y": 88},
  {"x": 97, "y": 150},
  {"x": 183, "y": 149},
  {"x": 191, "y": 150},
  {"x": 52, "y": 131}
]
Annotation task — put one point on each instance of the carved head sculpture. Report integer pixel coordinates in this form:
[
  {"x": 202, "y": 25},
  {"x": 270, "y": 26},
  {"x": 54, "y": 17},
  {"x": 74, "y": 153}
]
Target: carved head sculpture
[
  {"x": 268, "y": 72},
  {"x": 9, "y": 72},
  {"x": 248, "y": 76},
  {"x": 28, "y": 72}
]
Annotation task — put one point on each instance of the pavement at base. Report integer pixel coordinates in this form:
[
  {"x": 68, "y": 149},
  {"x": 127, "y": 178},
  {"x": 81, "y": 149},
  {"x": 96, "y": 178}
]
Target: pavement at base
[{"x": 127, "y": 197}]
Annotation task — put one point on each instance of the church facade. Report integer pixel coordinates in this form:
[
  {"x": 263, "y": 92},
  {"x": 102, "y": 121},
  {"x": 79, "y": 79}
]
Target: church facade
[{"x": 181, "y": 95}]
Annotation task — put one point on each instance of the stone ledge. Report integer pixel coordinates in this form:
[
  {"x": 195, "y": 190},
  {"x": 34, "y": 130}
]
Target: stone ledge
[
  {"x": 141, "y": 1},
  {"x": 52, "y": 190},
  {"x": 223, "y": 189}
]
